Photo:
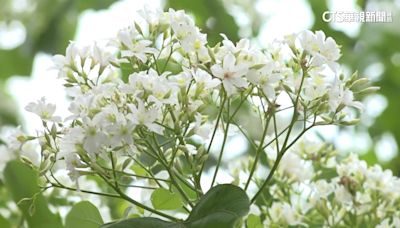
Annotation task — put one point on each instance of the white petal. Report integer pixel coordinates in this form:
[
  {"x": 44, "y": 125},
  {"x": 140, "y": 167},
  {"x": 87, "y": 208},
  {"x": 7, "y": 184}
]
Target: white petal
[
  {"x": 229, "y": 62},
  {"x": 217, "y": 71}
]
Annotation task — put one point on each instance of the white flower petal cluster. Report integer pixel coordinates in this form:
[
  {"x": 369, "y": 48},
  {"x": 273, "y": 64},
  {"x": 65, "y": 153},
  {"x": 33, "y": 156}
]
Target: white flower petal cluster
[{"x": 339, "y": 192}]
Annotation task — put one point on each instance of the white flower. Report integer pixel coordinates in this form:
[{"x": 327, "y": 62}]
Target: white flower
[
  {"x": 204, "y": 81},
  {"x": 94, "y": 139},
  {"x": 151, "y": 16},
  {"x": 339, "y": 95},
  {"x": 230, "y": 74},
  {"x": 141, "y": 116},
  {"x": 266, "y": 78},
  {"x": 382, "y": 181},
  {"x": 181, "y": 24},
  {"x": 352, "y": 167},
  {"x": 132, "y": 46},
  {"x": 43, "y": 109},
  {"x": 121, "y": 133},
  {"x": 195, "y": 42},
  {"x": 315, "y": 86},
  {"x": 324, "y": 50},
  {"x": 229, "y": 47},
  {"x": 295, "y": 168},
  {"x": 342, "y": 195},
  {"x": 202, "y": 129},
  {"x": 102, "y": 57},
  {"x": 70, "y": 141},
  {"x": 74, "y": 58},
  {"x": 184, "y": 79},
  {"x": 13, "y": 137},
  {"x": 323, "y": 188},
  {"x": 283, "y": 212}
]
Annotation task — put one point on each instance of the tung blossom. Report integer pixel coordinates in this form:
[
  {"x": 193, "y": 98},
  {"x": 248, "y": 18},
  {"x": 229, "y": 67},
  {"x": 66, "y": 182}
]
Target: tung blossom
[
  {"x": 43, "y": 109},
  {"x": 133, "y": 47},
  {"x": 266, "y": 78},
  {"x": 140, "y": 115},
  {"x": 339, "y": 95},
  {"x": 230, "y": 74},
  {"x": 324, "y": 50}
]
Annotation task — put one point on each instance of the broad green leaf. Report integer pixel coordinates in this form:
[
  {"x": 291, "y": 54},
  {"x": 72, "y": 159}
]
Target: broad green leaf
[
  {"x": 144, "y": 223},
  {"x": 21, "y": 181},
  {"x": 126, "y": 70},
  {"x": 162, "y": 199},
  {"x": 83, "y": 215},
  {"x": 220, "y": 207},
  {"x": 254, "y": 221},
  {"x": 188, "y": 191},
  {"x": 139, "y": 170},
  {"x": 168, "y": 65},
  {"x": 4, "y": 223}
]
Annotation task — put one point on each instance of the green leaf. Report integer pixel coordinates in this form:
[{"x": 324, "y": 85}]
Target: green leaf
[
  {"x": 143, "y": 223},
  {"x": 162, "y": 199},
  {"x": 139, "y": 170},
  {"x": 21, "y": 181},
  {"x": 165, "y": 65},
  {"x": 220, "y": 207},
  {"x": 83, "y": 215},
  {"x": 254, "y": 221},
  {"x": 126, "y": 70},
  {"x": 4, "y": 223}
]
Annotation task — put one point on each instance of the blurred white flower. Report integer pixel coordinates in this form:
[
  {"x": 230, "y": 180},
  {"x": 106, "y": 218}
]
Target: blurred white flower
[{"x": 44, "y": 110}]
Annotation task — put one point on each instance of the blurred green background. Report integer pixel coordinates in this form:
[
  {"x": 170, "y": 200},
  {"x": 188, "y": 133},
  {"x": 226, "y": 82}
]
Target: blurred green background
[{"x": 33, "y": 28}]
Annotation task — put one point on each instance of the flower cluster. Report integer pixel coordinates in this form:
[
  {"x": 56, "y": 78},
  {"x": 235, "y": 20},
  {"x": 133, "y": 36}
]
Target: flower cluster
[
  {"x": 151, "y": 102},
  {"x": 315, "y": 187}
]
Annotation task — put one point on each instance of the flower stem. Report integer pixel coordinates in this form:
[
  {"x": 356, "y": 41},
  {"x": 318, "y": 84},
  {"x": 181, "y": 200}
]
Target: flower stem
[
  {"x": 222, "y": 149},
  {"x": 258, "y": 153},
  {"x": 213, "y": 135}
]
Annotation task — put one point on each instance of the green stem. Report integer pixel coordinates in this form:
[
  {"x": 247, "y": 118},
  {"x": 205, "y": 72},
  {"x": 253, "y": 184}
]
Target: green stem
[
  {"x": 295, "y": 115},
  {"x": 137, "y": 186},
  {"x": 284, "y": 146},
  {"x": 270, "y": 175},
  {"x": 113, "y": 169},
  {"x": 258, "y": 153},
  {"x": 169, "y": 57},
  {"x": 213, "y": 134},
  {"x": 222, "y": 149},
  {"x": 85, "y": 191},
  {"x": 170, "y": 173},
  {"x": 134, "y": 202},
  {"x": 138, "y": 176},
  {"x": 240, "y": 104}
]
